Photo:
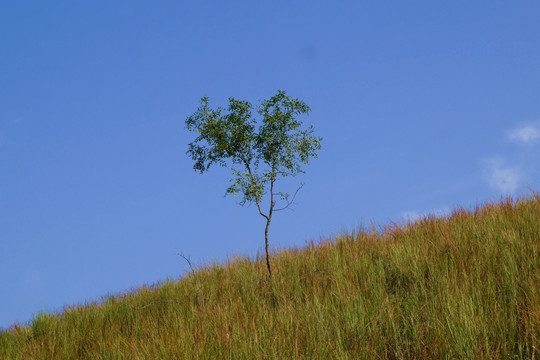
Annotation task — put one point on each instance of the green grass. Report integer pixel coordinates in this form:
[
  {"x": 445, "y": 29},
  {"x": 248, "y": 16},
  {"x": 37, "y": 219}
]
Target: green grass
[{"x": 461, "y": 287}]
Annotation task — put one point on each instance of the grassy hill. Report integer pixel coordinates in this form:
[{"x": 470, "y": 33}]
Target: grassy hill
[{"x": 465, "y": 286}]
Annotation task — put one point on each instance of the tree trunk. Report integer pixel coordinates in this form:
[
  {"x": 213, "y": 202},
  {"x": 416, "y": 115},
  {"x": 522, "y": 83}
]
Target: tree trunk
[
  {"x": 266, "y": 243},
  {"x": 268, "y": 219}
]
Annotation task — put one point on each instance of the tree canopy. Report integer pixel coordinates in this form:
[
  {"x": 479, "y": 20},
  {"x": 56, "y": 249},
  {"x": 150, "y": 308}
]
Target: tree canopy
[{"x": 260, "y": 151}]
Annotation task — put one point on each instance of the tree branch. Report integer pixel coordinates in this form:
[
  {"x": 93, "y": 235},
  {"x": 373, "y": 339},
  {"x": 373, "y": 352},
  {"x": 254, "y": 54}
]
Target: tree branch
[
  {"x": 291, "y": 202},
  {"x": 272, "y": 202},
  {"x": 260, "y": 211},
  {"x": 248, "y": 167},
  {"x": 188, "y": 261},
  {"x": 166, "y": 301}
]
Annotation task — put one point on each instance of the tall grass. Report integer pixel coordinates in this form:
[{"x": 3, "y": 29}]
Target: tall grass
[{"x": 464, "y": 286}]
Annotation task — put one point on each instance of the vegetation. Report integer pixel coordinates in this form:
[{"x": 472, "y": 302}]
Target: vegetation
[
  {"x": 464, "y": 286},
  {"x": 276, "y": 151}
]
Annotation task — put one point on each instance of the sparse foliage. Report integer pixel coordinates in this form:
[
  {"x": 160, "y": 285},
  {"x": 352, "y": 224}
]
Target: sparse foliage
[{"x": 259, "y": 157}]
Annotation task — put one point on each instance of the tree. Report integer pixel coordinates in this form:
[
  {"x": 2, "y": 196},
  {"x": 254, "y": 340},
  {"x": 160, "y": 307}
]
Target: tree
[{"x": 277, "y": 149}]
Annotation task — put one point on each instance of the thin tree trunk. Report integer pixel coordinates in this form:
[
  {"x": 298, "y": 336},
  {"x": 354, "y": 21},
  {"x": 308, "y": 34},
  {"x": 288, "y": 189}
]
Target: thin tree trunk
[
  {"x": 266, "y": 243},
  {"x": 268, "y": 219}
]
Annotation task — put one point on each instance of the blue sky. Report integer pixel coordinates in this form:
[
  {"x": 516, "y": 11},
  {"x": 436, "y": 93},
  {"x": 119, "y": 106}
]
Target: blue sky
[{"x": 423, "y": 106}]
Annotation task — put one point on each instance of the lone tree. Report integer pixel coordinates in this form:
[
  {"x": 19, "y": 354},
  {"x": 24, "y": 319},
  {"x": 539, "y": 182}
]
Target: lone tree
[{"x": 277, "y": 150}]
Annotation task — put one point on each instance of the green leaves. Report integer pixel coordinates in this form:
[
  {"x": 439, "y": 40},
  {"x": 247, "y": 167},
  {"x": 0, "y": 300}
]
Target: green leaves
[
  {"x": 250, "y": 185},
  {"x": 278, "y": 148},
  {"x": 223, "y": 137}
]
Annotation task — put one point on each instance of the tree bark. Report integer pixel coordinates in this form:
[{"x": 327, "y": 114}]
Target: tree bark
[
  {"x": 268, "y": 219},
  {"x": 266, "y": 243}
]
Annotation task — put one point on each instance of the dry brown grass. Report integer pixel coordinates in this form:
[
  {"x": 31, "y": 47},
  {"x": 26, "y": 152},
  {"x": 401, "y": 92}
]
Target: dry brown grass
[{"x": 465, "y": 286}]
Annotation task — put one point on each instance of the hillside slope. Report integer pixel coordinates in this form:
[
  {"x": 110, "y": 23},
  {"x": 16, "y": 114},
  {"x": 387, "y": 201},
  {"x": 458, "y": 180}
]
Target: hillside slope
[{"x": 465, "y": 286}]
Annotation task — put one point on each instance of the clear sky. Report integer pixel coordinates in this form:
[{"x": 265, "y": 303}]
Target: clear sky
[{"x": 423, "y": 106}]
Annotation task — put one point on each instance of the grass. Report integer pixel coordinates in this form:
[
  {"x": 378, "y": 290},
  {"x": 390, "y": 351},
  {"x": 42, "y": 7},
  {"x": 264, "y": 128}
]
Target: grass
[{"x": 465, "y": 286}]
